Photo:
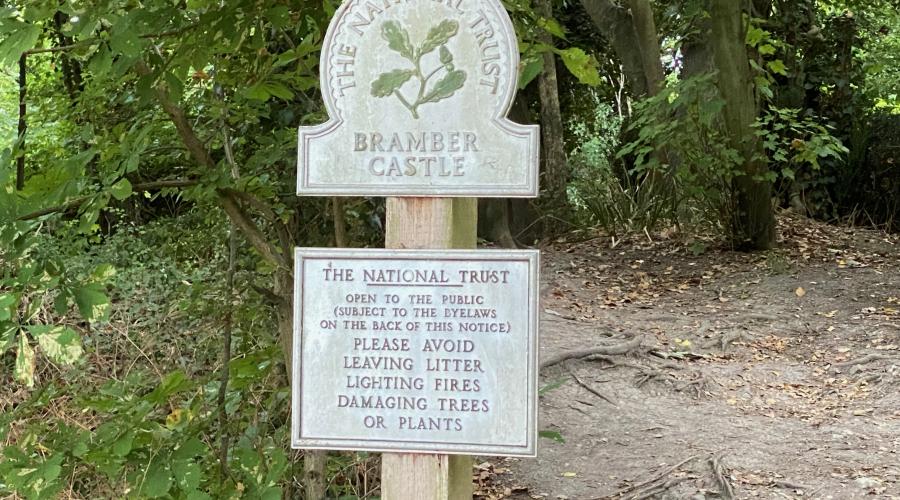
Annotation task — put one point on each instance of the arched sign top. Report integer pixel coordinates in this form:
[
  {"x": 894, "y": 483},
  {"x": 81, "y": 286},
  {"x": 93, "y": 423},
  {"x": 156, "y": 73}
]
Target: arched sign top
[
  {"x": 422, "y": 53},
  {"x": 417, "y": 93}
]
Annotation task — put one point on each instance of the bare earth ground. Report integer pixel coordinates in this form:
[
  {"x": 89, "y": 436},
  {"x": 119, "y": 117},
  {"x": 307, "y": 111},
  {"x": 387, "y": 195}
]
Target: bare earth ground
[{"x": 773, "y": 375}]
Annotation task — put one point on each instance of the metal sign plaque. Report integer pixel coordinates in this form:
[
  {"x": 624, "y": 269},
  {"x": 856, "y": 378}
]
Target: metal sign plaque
[
  {"x": 417, "y": 93},
  {"x": 416, "y": 351}
]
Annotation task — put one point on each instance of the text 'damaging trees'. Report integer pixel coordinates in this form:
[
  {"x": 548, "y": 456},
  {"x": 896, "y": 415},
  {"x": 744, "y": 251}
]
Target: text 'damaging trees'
[{"x": 417, "y": 351}]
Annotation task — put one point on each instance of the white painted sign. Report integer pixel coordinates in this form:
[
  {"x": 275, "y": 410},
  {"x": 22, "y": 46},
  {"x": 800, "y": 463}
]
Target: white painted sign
[
  {"x": 417, "y": 93},
  {"x": 416, "y": 351}
]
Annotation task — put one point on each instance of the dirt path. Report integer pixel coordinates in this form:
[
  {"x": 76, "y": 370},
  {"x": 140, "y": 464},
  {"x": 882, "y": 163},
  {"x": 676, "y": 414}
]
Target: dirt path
[{"x": 757, "y": 376}]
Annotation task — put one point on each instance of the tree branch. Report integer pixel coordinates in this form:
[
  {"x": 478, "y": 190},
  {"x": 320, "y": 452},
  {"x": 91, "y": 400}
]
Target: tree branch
[
  {"x": 69, "y": 205},
  {"x": 91, "y": 41},
  {"x": 251, "y": 230},
  {"x": 201, "y": 155}
]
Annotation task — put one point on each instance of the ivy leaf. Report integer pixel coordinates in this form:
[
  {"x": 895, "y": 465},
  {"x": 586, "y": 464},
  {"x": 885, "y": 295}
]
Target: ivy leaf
[
  {"x": 92, "y": 303},
  {"x": 766, "y": 49},
  {"x": 439, "y": 35},
  {"x": 24, "y": 370},
  {"x": 777, "y": 66},
  {"x": 59, "y": 343},
  {"x": 387, "y": 83},
  {"x": 121, "y": 189},
  {"x": 446, "y": 86},
  {"x": 581, "y": 65},
  {"x": 397, "y": 38}
]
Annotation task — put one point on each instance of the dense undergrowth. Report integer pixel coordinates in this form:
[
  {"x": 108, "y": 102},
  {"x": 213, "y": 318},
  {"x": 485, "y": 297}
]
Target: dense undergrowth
[{"x": 138, "y": 416}]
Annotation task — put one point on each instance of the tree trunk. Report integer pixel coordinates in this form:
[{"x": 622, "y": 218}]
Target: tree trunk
[
  {"x": 753, "y": 221},
  {"x": 648, "y": 44},
  {"x": 556, "y": 171},
  {"x": 493, "y": 221},
  {"x": 632, "y": 33}
]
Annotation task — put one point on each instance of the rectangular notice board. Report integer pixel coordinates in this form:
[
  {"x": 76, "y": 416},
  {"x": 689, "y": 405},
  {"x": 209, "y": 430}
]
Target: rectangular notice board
[{"x": 416, "y": 351}]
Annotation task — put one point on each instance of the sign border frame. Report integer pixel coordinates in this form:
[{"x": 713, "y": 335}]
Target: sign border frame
[{"x": 529, "y": 449}]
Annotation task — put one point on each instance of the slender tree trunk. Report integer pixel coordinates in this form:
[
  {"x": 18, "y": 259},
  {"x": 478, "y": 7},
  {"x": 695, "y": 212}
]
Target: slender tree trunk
[
  {"x": 648, "y": 44},
  {"x": 753, "y": 225},
  {"x": 556, "y": 171},
  {"x": 23, "y": 124}
]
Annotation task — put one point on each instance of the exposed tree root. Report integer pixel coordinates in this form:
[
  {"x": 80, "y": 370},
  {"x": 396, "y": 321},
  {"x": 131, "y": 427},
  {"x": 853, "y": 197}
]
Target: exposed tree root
[
  {"x": 721, "y": 473},
  {"x": 590, "y": 389},
  {"x": 860, "y": 361},
  {"x": 699, "y": 384},
  {"x": 607, "y": 350},
  {"x": 649, "y": 486}
]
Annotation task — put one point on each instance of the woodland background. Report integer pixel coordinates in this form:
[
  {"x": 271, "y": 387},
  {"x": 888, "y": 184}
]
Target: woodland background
[{"x": 147, "y": 216}]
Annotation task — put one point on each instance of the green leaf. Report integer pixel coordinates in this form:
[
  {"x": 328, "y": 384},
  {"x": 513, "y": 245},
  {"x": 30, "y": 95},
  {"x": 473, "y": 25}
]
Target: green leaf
[
  {"x": 755, "y": 35},
  {"x": 92, "y": 303},
  {"x": 397, "y": 38},
  {"x": 7, "y": 306},
  {"x": 530, "y": 70},
  {"x": 102, "y": 273},
  {"x": 18, "y": 38},
  {"x": 552, "y": 435},
  {"x": 777, "y": 66},
  {"x": 121, "y": 189},
  {"x": 24, "y": 370},
  {"x": 387, "y": 83},
  {"x": 766, "y": 49},
  {"x": 439, "y": 35},
  {"x": 581, "y": 65},
  {"x": 122, "y": 446},
  {"x": 187, "y": 474},
  {"x": 59, "y": 343},
  {"x": 158, "y": 480},
  {"x": 553, "y": 385},
  {"x": 553, "y": 27},
  {"x": 446, "y": 86},
  {"x": 101, "y": 62},
  {"x": 173, "y": 383},
  {"x": 262, "y": 91},
  {"x": 189, "y": 449}
]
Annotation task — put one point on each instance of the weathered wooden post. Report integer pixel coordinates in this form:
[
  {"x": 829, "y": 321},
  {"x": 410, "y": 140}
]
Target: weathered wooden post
[{"x": 424, "y": 353}]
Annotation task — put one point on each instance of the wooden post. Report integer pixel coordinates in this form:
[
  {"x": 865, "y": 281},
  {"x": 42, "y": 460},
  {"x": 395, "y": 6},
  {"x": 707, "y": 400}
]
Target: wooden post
[{"x": 431, "y": 223}]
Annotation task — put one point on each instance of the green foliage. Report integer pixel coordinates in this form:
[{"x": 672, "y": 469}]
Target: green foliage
[
  {"x": 797, "y": 144},
  {"x": 147, "y": 432},
  {"x": 679, "y": 145}
]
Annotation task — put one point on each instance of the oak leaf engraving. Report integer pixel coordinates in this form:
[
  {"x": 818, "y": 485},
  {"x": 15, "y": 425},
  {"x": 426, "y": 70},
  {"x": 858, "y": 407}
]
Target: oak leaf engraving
[{"x": 391, "y": 82}]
